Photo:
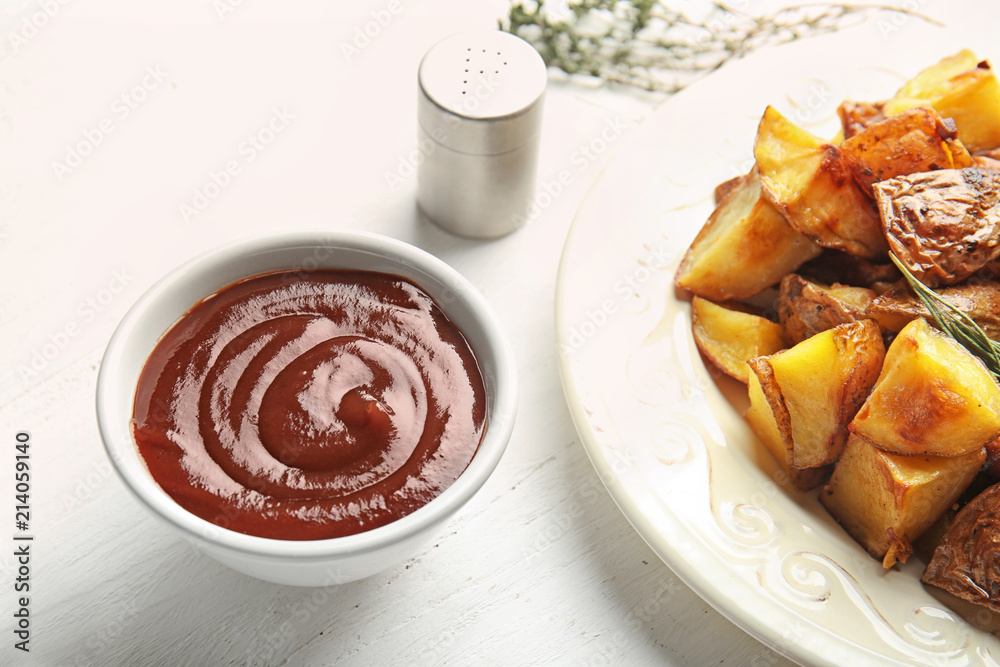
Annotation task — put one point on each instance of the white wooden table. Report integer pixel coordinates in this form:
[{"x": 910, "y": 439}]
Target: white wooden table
[{"x": 136, "y": 135}]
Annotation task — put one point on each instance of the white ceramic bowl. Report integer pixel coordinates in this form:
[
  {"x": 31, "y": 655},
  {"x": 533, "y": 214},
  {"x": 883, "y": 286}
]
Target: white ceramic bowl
[{"x": 296, "y": 562}]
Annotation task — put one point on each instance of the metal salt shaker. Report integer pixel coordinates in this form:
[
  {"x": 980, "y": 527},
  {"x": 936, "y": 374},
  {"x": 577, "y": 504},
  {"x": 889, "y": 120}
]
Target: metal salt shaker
[{"x": 479, "y": 114}]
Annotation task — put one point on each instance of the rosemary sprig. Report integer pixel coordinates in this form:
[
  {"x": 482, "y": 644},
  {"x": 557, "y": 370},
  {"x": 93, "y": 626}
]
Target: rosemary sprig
[
  {"x": 954, "y": 321},
  {"x": 650, "y": 45}
]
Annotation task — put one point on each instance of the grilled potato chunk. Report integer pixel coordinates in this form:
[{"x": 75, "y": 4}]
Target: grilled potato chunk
[
  {"x": 745, "y": 247},
  {"x": 808, "y": 181},
  {"x": 812, "y": 391},
  {"x": 886, "y": 501},
  {"x": 729, "y": 338},
  {"x": 915, "y": 140},
  {"x": 932, "y": 397},
  {"x": 960, "y": 87},
  {"x": 806, "y": 308}
]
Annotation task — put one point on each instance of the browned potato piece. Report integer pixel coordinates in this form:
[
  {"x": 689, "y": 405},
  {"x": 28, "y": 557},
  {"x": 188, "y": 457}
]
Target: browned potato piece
[
  {"x": 986, "y": 162},
  {"x": 960, "y": 87},
  {"x": 943, "y": 225},
  {"x": 812, "y": 391},
  {"x": 933, "y": 397},
  {"x": 966, "y": 562},
  {"x": 745, "y": 247},
  {"x": 808, "y": 181},
  {"x": 856, "y": 116},
  {"x": 856, "y": 297},
  {"x": 806, "y": 308},
  {"x": 992, "y": 464},
  {"x": 723, "y": 189},
  {"x": 834, "y": 266},
  {"x": 915, "y": 140},
  {"x": 980, "y": 300},
  {"x": 728, "y": 338},
  {"x": 886, "y": 501},
  {"x": 769, "y": 419}
]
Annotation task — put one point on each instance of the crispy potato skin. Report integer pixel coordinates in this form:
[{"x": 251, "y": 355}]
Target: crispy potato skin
[
  {"x": 916, "y": 140},
  {"x": 943, "y": 225},
  {"x": 806, "y": 308},
  {"x": 808, "y": 180},
  {"x": 991, "y": 466},
  {"x": 723, "y": 189},
  {"x": 979, "y": 299},
  {"x": 966, "y": 562},
  {"x": 855, "y": 116}
]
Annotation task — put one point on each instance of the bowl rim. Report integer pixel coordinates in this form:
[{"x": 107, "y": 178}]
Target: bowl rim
[{"x": 130, "y": 467}]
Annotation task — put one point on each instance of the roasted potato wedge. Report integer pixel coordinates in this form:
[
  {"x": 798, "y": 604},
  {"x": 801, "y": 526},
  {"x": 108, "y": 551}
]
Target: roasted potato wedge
[
  {"x": 886, "y": 501},
  {"x": 932, "y": 397},
  {"x": 943, "y": 225},
  {"x": 966, "y": 562},
  {"x": 808, "y": 181},
  {"x": 813, "y": 390},
  {"x": 806, "y": 308},
  {"x": 728, "y": 337},
  {"x": 856, "y": 116},
  {"x": 745, "y": 247},
  {"x": 915, "y": 140},
  {"x": 960, "y": 87},
  {"x": 769, "y": 419},
  {"x": 979, "y": 299}
]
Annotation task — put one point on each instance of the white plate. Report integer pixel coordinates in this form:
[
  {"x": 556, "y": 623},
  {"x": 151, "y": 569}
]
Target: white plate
[{"x": 668, "y": 439}]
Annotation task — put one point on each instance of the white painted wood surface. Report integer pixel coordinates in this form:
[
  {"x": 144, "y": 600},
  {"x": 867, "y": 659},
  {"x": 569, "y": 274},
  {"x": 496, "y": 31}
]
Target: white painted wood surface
[{"x": 541, "y": 568}]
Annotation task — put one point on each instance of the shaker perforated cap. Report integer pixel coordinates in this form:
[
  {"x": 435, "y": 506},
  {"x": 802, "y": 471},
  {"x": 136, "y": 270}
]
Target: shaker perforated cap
[{"x": 480, "y": 92}]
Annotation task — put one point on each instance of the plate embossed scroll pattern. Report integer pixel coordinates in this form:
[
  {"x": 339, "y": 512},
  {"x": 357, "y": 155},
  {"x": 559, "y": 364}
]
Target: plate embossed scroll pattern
[{"x": 666, "y": 433}]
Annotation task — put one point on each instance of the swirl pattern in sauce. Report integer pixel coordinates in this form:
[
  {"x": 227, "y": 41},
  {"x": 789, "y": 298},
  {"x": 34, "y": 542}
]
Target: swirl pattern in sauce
[{"x": 309, "y": 405}]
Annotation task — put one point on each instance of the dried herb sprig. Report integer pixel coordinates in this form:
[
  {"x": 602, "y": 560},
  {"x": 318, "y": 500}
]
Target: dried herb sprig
[
  {"x": 648, "y": 44},
  {"x": 954, "y": 321}
]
